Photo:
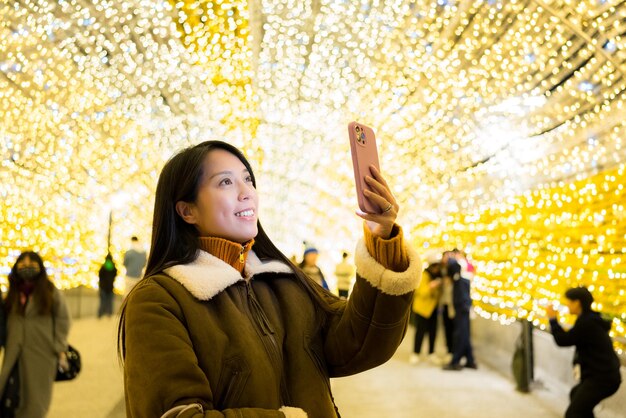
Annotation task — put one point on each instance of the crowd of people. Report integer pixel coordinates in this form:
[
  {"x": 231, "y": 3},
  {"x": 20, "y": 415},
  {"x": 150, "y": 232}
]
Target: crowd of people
[
  {"x": 345, "y": 271},
  {"x": 134, "y": 263},
  {"x": 444, "y": 291}
]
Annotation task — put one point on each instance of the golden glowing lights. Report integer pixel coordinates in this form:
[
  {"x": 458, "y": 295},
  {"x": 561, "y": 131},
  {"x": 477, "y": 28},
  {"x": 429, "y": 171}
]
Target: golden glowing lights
[
  {"x": 532, "y": 248},
  {"x": 94, "y": 97},
  {"x": 497, "y": 122}
]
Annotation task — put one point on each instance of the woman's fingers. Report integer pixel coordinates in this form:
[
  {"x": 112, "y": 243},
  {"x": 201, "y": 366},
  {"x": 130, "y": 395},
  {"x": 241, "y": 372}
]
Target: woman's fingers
[
  {"x": 381, "y": 224},
  {"x": 376, "y": 198},
  {"x": 378, "y": 219},
  {"x": 378, "y": 176},
  {"x": 380, "y": 190},
  {"x": 378, "y": 187}
]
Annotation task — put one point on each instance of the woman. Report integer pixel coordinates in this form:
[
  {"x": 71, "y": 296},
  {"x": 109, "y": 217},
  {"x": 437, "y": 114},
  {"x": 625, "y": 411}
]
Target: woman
[
  {"x": 224, "y": 325},
  {"x": 425, "y": 302},
  {"x": 599, "y": 365},
  {"x": 37, "y": 326}
]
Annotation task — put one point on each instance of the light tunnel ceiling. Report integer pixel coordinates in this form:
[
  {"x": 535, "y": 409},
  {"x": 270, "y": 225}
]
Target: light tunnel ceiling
[{"x": 473, "y": 101}]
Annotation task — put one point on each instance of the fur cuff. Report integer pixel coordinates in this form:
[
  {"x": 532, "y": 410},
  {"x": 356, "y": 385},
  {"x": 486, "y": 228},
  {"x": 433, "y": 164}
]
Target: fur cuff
[
  {"x": 388, "y": 281},
  {"x": 291, "y": 412}
]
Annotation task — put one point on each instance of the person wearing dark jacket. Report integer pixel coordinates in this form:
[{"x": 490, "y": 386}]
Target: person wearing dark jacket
[
  {"x": 599, "y": 364},
  {"x": 462, "y": 301},
  {"x": 106, "y": 276},
  {"x": 224, "y": 325}
]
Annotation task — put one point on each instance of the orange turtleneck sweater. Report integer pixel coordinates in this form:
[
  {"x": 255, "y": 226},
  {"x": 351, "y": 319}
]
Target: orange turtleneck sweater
[
  {"x": 391, "y": 252},
  {"x": 232, "y": 253}
]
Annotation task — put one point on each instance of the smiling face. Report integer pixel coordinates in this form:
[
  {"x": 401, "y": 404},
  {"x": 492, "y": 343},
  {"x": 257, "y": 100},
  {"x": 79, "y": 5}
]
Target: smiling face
[{"x": 227, "y": 202}]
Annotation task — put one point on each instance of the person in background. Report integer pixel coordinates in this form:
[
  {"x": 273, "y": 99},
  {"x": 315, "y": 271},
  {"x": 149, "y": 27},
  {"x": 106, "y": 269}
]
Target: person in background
[
  {"x": 223, "y": 325},
  {"x": 598, "y": 362},
  {"x": 134, "y": 262},
  {"x": 469, "y": 271},
  {"x": 446, "y": 308},
  {"x": 106, "y": 280},
  {"x": 310, "y": 268},
  {"x": 38, "y": 323},
  {"x": 425, "y": 300},
  {"x": 344, "y": 272},
  {"x": 455, "y": 264}
]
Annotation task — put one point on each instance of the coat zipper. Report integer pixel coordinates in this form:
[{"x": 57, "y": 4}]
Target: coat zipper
[
  {"x": 263, "y": 324},
  {"x": 241, "y": 253},
  {"x": 231, "y": 386}
]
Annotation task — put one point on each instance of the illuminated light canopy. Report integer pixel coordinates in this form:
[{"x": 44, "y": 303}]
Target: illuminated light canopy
[{"x": 475, "y": 103}]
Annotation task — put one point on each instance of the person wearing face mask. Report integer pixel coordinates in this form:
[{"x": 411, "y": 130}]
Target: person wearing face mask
[
  {"x": 598, "y": 364},
  {"x": 224, "y": 325},
  {"x": 37, "y": 326}
]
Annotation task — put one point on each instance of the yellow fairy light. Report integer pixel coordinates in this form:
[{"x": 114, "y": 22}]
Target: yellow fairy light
[
  {"x": 496, "y": 133},
  {"x": 93, "y": 100},
  {"x": 588, "y": 247}
]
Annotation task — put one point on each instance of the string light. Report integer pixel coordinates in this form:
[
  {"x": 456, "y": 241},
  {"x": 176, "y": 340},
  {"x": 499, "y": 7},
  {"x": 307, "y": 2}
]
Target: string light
[
  {"x": 94, "y": 98},
  {"x": 532, "y": 248},
  {"x": 475, "y": 103}
]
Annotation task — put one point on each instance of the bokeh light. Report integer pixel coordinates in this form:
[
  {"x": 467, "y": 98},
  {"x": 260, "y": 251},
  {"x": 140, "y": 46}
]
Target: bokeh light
[{"x": 500, "y": 126}]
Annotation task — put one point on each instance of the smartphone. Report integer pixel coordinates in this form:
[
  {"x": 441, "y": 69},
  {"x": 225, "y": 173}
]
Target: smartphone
[{"x": 364, "y": 155}]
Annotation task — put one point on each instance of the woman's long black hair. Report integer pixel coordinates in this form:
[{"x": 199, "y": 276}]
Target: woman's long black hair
[
  {"x": 175, "y": 241},
  {"x": 42, "y": 294}
]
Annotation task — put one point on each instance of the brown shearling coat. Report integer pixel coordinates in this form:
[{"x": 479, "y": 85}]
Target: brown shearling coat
[{"x": 202, "y": 341}]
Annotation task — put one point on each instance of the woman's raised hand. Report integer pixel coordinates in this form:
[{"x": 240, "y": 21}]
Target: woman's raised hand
[{"x": 382, "y": 223}]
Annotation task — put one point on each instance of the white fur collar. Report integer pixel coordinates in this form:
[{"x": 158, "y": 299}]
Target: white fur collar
[
  {"x": 208, "y": 275},
  {"x": 388, "y": 281}
]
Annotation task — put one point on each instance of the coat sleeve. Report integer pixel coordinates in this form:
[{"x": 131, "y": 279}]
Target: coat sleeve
[
  {"x": 161, "y": 372},
  {"x": 371, "y": 327},
  {"x": 567, "y": 338},
  {"x": 61, "y": 321}
]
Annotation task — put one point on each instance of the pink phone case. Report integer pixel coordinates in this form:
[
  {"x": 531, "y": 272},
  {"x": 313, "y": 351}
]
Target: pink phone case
[{"x": 364, "y": 155}]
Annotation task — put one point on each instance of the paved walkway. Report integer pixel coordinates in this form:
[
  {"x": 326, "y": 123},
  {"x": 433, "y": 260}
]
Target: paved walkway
[
  {"x": 400, "y": 390},
  {"x": 395, "y": 390}
]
